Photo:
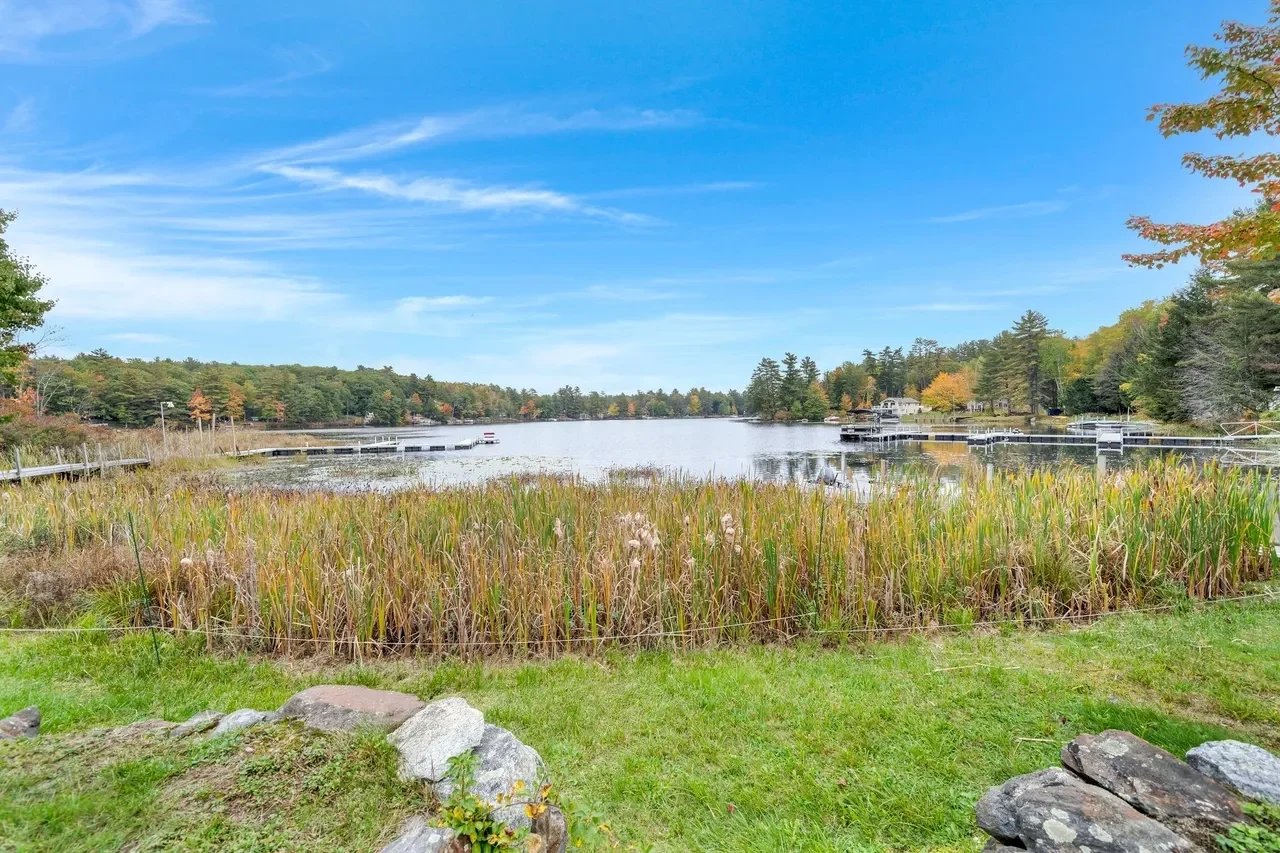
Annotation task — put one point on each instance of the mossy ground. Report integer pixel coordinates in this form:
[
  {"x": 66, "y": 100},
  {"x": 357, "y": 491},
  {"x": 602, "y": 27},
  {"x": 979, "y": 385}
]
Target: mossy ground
[{"x": 867, "y": 747}]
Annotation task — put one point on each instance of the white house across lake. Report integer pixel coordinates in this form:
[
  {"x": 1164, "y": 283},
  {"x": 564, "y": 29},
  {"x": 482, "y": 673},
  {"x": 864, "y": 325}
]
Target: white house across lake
[{"x": 899, "y": 406}]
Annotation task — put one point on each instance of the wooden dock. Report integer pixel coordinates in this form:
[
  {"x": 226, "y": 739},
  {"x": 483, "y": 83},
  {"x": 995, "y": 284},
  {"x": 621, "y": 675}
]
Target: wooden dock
[
  {"x": 1106, "y": 440},
  {"x": 70, "y": 469},
  {"x": 380, "y": 448}
]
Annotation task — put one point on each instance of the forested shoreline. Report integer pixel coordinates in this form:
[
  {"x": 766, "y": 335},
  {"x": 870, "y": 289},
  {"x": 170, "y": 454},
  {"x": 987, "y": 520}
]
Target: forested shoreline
[
  {"x": 103, "y": 388},
  {"x": 1208, "y": 353}
]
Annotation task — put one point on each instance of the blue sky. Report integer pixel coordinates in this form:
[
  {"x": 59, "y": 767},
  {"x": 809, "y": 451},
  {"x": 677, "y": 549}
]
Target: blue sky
[{"x": 614, "y": 195}]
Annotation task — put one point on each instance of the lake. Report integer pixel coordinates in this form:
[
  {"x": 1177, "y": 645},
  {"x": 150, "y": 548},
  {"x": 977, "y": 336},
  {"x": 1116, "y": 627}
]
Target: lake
[{"x": 698, "y": 448}]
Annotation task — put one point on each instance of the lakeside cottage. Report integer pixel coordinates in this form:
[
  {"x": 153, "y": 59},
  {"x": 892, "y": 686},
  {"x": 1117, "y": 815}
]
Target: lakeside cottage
[{"x": 899, "y": 406}]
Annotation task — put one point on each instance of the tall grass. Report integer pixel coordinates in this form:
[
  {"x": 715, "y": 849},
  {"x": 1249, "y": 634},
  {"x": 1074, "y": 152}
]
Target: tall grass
[
  {"x": 103, "y": 443},
  {"x": 541, "y": 567}
]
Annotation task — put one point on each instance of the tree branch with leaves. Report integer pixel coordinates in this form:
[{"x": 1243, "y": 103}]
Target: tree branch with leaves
[{"x": 1247, "y": 62}]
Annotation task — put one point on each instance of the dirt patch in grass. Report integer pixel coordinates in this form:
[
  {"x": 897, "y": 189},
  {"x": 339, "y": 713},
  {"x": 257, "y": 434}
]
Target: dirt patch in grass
[{"x": 272, "y": 788}]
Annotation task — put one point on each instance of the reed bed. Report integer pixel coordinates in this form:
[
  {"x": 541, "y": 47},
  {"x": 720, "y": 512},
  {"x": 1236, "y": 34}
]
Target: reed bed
[
  {"x": 517, "y": 567},
  {"x": 99, "y": 443}
]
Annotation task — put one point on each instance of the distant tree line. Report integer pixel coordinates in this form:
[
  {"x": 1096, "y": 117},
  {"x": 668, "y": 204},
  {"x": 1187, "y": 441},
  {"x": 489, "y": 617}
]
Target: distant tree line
[
  {"x": 1209, "y": 353},
  {"x": 102, "y": 388}
]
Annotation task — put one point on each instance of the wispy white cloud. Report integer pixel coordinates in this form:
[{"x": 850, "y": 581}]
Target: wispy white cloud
[
  {"x": 676, "y": 190},
  {"x": 493, "y": 123},
  {"x": 451, "y": 192},
  {"x": 623, "y": 293},
  {"x": 147, "y": 15},
  {"x": 27, "y": 27},
  {"x": 141, "y": 338},
  {"x": 299, "y": 64},
  {"x": 1004, "y": 211},
  {"x": 21, "y": 118},
  {"x": 416, "y": 305},
  {"x": 99, "y": 281}
]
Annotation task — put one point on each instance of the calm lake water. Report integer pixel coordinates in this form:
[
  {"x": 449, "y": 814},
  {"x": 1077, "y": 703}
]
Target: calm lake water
[{"x": 698, "y": 448}]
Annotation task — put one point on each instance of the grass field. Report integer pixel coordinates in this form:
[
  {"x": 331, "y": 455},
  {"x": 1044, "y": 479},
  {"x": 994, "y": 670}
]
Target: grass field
[{"x": 883, "y": 746}]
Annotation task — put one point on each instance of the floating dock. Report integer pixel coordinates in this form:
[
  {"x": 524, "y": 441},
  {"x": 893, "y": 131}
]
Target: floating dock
[
  {"x": 382, "y": 448},
  {"x": 1102, "y": 439},
  {"x": 70, "y": 469}
]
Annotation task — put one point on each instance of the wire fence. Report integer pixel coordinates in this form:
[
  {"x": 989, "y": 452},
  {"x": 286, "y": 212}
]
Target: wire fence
[{"x": 623, "y": 639}]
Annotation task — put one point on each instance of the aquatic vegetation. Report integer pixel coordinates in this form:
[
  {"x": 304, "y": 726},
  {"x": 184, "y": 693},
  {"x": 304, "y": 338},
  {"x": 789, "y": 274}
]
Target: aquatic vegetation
[{"x": 547, "y": 565}]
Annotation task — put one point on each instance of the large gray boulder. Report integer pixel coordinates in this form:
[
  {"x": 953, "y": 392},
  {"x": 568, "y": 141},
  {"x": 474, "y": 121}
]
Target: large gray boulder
[
  {"x": 240, "y": 720},
  {"x": 1054, "y": 811},
  {"x": 440, "y": 731},
  {"x": 1156, "y": 783},
  {"x": 24, "y": 724},
  {"x": 418, "y": 836},
  {"x": 196, "y": 723},
  {"x": 503, "y": 762},
  {"x": 342, "y": 707},
  {"x": 1243, "y": 767}
]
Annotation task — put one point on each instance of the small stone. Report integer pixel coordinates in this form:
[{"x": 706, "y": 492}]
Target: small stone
[
  {"x": 24, "y": 724},
  {"x": 1156, "y": 783},
  {"x": 440, "y": 731},
  {"x": 553, "y": 829},
  {"x": 242, "y": 719},
  {"x": 1243, "y": 767},
  {"x": 196, "y": 724},
  {"x": 335, "y": 707},
  {"x": 418, "y": 836}
]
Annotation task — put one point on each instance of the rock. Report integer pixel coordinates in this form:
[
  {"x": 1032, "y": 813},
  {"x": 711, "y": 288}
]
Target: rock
[
  {"x": 242, "y": 719},
  {"x": 997, "y": 811},
  {"x": 418, "y": 836},
  {"x": 1243, "y": 767},
  {"x": 196, "y": 724},
  {"x": 1054, "y": 811},
  {"x": 441, "y": 730},
  {"x": 1156, "y": 783},
  {"x": 334, "y": 707},
  {"x": 502, "y": 761},
  {"x": 553, "y": 829},
  {"x": 24, "y": 724}
]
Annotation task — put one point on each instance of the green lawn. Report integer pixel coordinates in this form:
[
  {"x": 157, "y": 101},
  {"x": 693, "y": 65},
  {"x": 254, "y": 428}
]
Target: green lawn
[{"x": 884, "y": 746}]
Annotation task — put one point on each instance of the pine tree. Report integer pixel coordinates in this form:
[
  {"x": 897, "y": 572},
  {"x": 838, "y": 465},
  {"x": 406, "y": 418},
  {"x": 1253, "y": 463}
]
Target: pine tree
[
  {"x": 764, "y": 390},
  {"x": 793, "y": 384},
  {"x": 1030, "y": 332}
]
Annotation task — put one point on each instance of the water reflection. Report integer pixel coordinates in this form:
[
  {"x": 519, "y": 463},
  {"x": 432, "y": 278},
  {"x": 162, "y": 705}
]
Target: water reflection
[{"x": 711, "y": 448}]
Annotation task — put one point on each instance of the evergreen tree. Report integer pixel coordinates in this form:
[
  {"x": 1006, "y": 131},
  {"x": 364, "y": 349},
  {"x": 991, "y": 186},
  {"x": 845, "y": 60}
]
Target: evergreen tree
[
  {"x": 809, "y": 369},
  {"x": 763, "y": 393},
  {"x": 1030, "y": 332},
  {"x": 793, "y": 384}
]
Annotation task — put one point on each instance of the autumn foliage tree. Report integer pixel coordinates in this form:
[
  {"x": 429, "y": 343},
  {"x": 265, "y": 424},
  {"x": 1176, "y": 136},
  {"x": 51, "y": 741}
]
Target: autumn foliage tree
[
  {"x": 947, "y": 392},
  {"x": 1247, "y": 62},
  {"x": 235, "y": 402},
  {"x": 199, "y": 407}
]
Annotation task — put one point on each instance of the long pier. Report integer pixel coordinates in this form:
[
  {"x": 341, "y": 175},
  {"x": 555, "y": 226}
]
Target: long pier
[
  {"x": 379, "y": 447},
  {"x": 1103, "y": 440},
  {"x": 69, "y": 469}
]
